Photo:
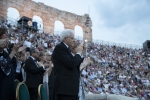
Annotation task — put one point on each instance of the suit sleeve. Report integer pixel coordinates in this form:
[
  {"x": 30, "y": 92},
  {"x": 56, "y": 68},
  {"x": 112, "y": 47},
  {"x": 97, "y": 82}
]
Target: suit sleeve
[
  {"x": 62, "y": 55},
  {"x": 31, "y": 68}
]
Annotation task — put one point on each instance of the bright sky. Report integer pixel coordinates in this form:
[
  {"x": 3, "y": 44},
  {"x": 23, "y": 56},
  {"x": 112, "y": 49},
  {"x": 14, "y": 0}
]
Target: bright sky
[{"x": 119, "y": 21}]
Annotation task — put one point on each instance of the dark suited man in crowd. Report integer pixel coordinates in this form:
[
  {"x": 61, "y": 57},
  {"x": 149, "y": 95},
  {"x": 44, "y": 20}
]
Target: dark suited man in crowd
[
  {"x": 34, "y": 73},
  {"x": 66, "y": 68}
]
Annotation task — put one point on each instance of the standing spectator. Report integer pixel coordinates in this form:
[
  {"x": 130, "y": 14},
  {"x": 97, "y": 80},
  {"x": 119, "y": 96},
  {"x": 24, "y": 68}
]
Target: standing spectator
[
  {"x": 66, "y": 68},
  {"x": 7, "y": 89},
  {"x": 34, "y": 73},
  {"x": 42, "y": 60},
  {"x": 50, "y": 75}
]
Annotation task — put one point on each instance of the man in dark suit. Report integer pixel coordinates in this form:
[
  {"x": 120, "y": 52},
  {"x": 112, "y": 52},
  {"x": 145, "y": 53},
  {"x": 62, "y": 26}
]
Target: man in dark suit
[
  {"x": 66, "y": 68},
  {"x": 34, "y": 73}
]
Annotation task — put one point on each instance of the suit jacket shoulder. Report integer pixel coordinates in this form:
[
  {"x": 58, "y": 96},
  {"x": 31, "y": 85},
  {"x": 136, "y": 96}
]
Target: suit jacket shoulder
[
  {"x": 32, "y": 67},
  {"x": 63, "y": 56}
]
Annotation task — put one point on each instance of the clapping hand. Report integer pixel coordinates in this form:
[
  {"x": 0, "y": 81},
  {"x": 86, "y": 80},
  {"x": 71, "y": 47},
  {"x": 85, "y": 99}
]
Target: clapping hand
[
  {"x": 40, "y": 64},
  {"x": 22, "y": 48},
  {"x": 16, "y": 46},
  {"x": 85, "y": 63},
  {"x": 80, "y": 48},
  {"x": 15, "y": 49},
  {"x": 50, "y": 64},
  {"x": 46, "y": 65}
]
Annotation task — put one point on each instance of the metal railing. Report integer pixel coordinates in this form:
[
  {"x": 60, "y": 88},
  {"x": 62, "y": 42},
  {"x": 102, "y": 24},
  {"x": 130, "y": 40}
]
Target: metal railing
[
  {"x": 96, "y": 41},
  {"x": 133, "y": 46}
]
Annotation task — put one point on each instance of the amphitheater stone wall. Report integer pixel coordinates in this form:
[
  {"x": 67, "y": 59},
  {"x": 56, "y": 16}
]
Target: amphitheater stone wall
[{"x": 49, "y": 15}]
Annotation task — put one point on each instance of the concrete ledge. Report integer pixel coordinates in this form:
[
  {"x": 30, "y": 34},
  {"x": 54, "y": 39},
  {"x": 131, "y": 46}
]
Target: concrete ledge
[
  {"x": 95, "y": 97},
  {"x": 107, "y": 97},
  {"x": 119, "y": 97}
]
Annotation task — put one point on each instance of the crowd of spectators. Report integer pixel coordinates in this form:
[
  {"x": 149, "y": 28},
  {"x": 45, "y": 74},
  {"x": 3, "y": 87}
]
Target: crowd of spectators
[{"x": 115, "y": 70}]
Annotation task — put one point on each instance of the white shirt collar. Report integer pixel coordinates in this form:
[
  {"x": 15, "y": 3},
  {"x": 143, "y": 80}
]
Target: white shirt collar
[
  {"x": 72, "y": 54},
  {"x": 66, "y": 44},
  {"x": 67, "y": 47},
  {"x": 32, "y": 57}
]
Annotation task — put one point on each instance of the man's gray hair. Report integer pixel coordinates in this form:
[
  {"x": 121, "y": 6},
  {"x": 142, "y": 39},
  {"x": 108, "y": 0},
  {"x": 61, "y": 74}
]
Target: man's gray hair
[{"x": 65, "y": 33}]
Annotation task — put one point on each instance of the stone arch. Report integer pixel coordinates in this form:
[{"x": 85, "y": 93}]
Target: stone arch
[
  {"x": 58, "y": 26},
  {"x": 13, "y": 15},
  {"x": 49, "y": 15},
  {"x": 78, "y": 32},
  {"x": 15, "y": 12},
  {"x": 39, "y": 21}
]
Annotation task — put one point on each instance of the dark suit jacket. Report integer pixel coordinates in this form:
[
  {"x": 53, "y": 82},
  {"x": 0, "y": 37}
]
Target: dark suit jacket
[
  {"x": 34, "y": 74},
  {"x": 13, "y": 62},
  {"x": 7, "y": 89},
  {"x": 66, "y": 71}
]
